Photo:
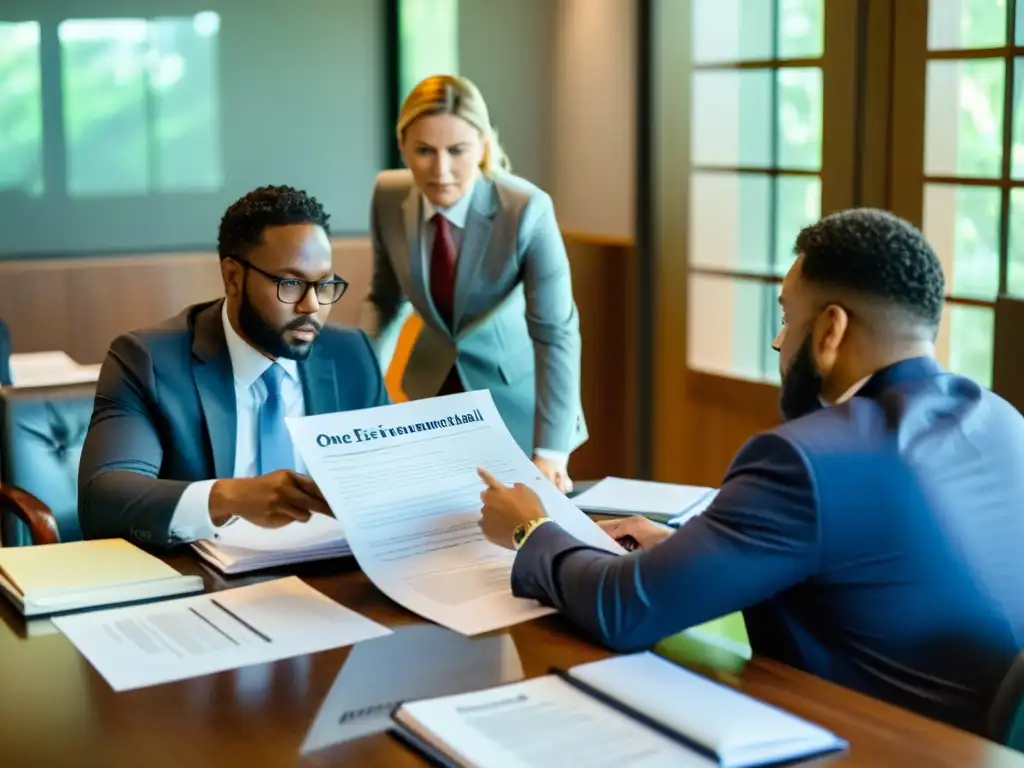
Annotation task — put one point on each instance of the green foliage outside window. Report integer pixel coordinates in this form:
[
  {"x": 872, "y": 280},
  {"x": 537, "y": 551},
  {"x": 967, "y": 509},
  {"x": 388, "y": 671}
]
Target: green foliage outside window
[
  {"x": 139, "y": 106},
  {"x": 980, "y": 91},
  {"x": 21, "y": 111},
  {"x": 428, "y": 41}
]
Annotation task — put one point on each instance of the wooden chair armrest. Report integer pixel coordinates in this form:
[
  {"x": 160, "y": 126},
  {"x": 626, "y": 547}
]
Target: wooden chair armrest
[{"x": 42, "y": 525}]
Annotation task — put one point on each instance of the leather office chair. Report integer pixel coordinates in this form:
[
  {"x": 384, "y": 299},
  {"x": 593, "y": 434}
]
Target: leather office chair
[
  {"x": 1008, "y": 362},
  {"x": 1007, "y": 716},
  {"x": 41, "y": 434},
  {"x": 5, "y": 355}
]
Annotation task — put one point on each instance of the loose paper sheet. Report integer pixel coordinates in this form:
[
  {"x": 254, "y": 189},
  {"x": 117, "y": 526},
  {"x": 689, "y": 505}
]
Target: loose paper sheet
[
  {"x": 154, "y": 643},
  {"x": 616, "y": 495},
  {"x": 402, "y": 480}
]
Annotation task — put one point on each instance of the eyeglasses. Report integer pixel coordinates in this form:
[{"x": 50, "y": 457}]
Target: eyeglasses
[{"x": 292, "y": 290}]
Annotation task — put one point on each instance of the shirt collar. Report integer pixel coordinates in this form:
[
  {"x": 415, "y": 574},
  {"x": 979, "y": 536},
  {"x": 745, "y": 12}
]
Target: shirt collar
[
  {"x": 457, "y": 213},
  {"x": 847, "y": 394},
  {"x": 247, "y": 363}
]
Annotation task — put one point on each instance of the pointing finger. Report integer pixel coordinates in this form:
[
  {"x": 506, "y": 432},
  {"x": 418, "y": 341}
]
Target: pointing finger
[{"x": 489, "y": 479}]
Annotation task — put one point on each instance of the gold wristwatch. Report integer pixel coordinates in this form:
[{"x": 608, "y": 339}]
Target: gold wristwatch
[{"x": 522, "y": 533}]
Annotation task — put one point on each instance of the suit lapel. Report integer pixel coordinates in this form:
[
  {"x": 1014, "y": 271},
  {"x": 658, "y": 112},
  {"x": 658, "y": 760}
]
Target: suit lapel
[
  {"x": 476, "y": 238},
  {"x": 319, "y": 384},
  {"x": 211, "y": 370}
]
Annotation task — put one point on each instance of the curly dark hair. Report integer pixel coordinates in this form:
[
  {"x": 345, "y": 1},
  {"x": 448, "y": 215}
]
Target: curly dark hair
[
  {"x": 241, "y": 228},
  {"x": 876, "y": 255}
]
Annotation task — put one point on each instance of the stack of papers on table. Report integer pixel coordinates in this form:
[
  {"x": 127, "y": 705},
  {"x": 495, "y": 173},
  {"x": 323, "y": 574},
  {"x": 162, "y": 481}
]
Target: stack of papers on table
[
  {"x": 662, "y": 502},
  {"x": 46, "y": 369},
  {"x": 242, "y": 547}
]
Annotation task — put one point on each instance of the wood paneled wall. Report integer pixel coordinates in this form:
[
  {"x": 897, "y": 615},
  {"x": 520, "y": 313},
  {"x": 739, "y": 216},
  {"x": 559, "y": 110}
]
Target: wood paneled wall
[
  {"x": 701, "y": 420},
  {"x": 604, "y": 277},
  {"x": 717, "y": 415},
  {"x": 80, "y": 305}
]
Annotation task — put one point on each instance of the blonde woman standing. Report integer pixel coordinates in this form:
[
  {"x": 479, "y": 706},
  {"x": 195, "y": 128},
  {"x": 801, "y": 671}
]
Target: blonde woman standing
[{"x": 477, "y": 253}]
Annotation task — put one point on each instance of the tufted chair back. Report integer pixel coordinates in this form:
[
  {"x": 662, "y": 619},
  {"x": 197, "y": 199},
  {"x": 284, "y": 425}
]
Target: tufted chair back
[{"x": 41, "y": 434}]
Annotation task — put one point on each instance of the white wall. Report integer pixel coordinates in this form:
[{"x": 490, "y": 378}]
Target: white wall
[
  {"x": 506, "y": 47},
  {"x": 559, "y": 77},
  {"x": 594, "y": 116}
]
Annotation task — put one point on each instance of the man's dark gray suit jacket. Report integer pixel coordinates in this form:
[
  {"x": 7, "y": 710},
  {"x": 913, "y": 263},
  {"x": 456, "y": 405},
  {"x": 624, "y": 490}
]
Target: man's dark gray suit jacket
[
  {"x": 165, "y": 417},
  {"x": 877, "y": 544}
]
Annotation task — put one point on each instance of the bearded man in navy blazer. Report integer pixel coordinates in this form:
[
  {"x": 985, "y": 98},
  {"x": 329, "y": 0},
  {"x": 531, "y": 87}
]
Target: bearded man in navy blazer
[
  {"x": 188, "y": 429},
  {"x": 874, "y": 539}
]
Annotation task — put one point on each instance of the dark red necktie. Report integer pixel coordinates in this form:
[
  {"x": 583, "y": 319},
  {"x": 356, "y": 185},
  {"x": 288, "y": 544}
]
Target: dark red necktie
[
  {"x": 442, "y": 268},
  {"x": 442, "y": 287}
]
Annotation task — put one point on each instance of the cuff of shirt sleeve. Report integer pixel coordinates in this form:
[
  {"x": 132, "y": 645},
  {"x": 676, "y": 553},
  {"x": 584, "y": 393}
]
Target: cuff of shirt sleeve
[
  {"x": 191, "y": 518},
  {"x": 556, "y": 457}
]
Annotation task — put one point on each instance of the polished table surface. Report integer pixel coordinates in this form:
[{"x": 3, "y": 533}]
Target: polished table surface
[{"x": 55, "y": 710}]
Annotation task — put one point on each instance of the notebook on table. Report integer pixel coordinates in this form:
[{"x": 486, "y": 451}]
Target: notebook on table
[
  {"x": 667, "y": 503},
  {"x": 242, "y": 547},
  {"x": 637, "y": 710},
  {"x": 56, "y": 578}
]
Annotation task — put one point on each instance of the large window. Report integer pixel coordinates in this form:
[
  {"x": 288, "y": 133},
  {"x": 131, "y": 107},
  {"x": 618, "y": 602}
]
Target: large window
[
  {"x": 973, "y": 176},
  {"x": 140, "y": 105},
  {"x": 138, "y": 112},
  {"x": 132, "y": 132},
  {"x": 21, "y": 111},
  {"x": 755, "y": 172}
]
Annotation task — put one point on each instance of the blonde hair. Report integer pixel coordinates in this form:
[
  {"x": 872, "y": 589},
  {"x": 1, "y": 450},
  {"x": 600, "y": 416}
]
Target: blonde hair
[{"x": 453, "y": 95}]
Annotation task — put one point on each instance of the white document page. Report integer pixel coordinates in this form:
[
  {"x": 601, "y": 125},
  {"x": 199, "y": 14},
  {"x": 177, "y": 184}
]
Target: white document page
[
  {"x": 741, "y": 730},
  {"x": 402, "y": 480},
  {"x": 316, "y": 531},
  {"x": 542, "y": 723},
  {"x": 697, "y": 509},
  {"x": 618, "y": 495},
  {"x": 243, "y": 547},
  {"x": 415, "y": 662},
  {"x": 142, "y": 645}
]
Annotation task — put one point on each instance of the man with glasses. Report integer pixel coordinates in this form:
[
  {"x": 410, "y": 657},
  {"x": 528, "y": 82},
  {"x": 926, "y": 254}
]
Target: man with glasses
[{"x": 188, "y": 431}]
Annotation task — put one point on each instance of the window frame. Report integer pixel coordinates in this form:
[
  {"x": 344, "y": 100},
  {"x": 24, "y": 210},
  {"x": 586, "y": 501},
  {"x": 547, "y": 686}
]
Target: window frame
[
  {"x": 850, "y": 81},
  {"x": 54, "y": 149},
  {"x": 837, "y": 171},
  {"x": 908, "y": 179}
]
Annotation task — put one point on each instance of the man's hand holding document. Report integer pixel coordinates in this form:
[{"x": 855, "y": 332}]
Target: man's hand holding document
[{"x": 403, "y": 482}]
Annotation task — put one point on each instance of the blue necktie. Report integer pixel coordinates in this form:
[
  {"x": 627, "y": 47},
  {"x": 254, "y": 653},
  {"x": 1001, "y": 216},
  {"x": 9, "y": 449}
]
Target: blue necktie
[{"x": 275, "y": 446}]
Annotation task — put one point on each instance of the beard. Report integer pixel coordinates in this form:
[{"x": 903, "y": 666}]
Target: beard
[
  {"x": 271, "y": 340},
  {"x": 800, "y": 394}
]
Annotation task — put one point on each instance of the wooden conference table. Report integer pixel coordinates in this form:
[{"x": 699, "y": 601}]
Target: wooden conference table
[{"x": 55, "y": 710}]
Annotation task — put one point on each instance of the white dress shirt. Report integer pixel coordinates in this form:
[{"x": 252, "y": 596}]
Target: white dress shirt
[
  {"x": 847, "y": 394},
  {"x": 191, "y": 518},
  {"x": 456, "y": 216}
]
